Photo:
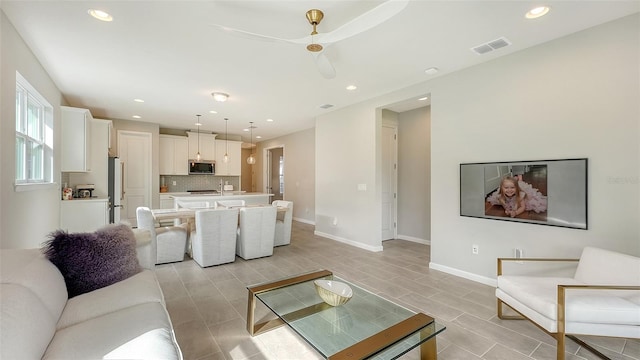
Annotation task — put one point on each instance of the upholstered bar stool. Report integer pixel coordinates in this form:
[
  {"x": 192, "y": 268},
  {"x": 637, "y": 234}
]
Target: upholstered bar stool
[{"x": 230, "y": 203}]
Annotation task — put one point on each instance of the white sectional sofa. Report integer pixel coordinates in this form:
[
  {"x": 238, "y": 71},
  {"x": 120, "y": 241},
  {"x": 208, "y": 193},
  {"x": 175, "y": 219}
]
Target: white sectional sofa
[{"x": 125, "y": 320}]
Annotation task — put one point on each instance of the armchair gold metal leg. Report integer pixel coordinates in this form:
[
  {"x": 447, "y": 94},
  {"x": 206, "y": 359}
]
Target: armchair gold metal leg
[
  {"x": 560, "y": 346},
  {"x": 501, "y": 316}
]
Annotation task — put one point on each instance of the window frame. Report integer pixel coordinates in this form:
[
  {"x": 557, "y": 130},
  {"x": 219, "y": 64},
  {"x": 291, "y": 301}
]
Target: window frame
[{"x": 33, "y": 129}]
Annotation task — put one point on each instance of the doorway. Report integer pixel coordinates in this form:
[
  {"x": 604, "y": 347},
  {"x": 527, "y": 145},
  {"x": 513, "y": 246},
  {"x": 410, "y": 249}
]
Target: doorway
[
  {"x": 389, "y": 181},
  {"x": 274, "y": 172}
]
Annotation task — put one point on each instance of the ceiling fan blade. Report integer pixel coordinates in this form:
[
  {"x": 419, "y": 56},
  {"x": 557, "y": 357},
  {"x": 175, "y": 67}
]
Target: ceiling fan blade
[
  {"x": 324, "y": 65},
  {"x": 254, "y": 36},
  {"x": 364, "y": 22}
]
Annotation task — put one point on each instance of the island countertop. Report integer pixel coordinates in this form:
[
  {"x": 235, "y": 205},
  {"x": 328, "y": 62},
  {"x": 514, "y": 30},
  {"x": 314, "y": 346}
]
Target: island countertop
[{"x": 250, "y": 198}]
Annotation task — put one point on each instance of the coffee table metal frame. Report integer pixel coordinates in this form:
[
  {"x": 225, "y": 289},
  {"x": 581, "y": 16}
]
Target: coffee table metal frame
[{"x": 361, "y": 350}]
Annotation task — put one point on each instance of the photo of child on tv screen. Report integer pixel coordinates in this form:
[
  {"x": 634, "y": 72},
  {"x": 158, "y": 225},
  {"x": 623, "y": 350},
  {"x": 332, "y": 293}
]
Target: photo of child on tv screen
[{"x": 516, "y": 191}]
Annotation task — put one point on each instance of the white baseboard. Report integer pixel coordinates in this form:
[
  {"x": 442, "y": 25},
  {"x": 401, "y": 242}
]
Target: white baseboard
[
  {"x": 349, "y": 242},
  {"x": 463, "y": 274},
  {"x": 310, "y": 222},
  {"x": 414, "y": 239}
]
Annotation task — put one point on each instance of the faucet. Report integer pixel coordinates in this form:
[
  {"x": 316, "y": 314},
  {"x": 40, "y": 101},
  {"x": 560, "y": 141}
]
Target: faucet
[{"x": 221, "y": 188}]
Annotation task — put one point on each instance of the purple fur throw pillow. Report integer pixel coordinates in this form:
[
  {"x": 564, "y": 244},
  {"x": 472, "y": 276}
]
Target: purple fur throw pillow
[{"x": 90, "y": 261}]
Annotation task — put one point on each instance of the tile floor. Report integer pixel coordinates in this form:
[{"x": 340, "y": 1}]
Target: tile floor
[{"x": 208, "y": 306}]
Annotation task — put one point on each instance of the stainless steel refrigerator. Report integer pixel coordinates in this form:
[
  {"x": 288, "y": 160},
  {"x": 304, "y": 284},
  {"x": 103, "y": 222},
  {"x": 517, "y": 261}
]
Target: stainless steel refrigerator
[{"x": 116, "y": 192}]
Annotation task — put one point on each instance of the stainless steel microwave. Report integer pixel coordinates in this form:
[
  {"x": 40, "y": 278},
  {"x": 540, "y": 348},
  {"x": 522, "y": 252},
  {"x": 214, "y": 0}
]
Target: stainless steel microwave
[{"x": 202, "y": 167}]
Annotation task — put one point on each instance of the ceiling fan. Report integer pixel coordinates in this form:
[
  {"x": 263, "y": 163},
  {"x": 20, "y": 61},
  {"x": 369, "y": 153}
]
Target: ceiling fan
[{"x": 316, "y": 42}]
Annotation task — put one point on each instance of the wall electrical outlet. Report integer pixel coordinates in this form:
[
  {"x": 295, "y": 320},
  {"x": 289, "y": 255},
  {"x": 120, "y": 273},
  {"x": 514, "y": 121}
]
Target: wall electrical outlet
[
  {"x": 518, "y": 253},
  {"x": 174, "y": 183},
  {"x": 475, "y": 249}
]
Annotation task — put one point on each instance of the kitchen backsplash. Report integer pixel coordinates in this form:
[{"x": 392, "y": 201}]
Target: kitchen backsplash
[{"x": 198, "y": 182}]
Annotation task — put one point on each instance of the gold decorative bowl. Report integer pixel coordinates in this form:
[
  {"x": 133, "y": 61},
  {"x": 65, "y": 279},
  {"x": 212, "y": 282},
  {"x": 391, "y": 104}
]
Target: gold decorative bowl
[{"x": 334, "y": 293}]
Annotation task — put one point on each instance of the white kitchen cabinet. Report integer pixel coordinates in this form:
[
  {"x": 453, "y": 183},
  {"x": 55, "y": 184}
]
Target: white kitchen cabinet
[
  {"x": 207, "y": 145},
  {"x": 166, "y": 201},
  {"x": 174, "y": 157},
  {"x": 83, "y": 215},
  {"x": 99, "y": 174},
  {"x": 234, "y": 150},
  {"x": 75, "y": 127}
]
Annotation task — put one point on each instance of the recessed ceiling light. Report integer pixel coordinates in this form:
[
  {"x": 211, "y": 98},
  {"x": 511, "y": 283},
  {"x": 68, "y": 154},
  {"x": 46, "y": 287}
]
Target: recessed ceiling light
[
  {"x": 351, "y": 87},
  {"x": 245, "y": 129},
  {"x": 423, "y": 98},
  {"x": 137, "y": 117},
  {"x": 218, "y": 96},
  {"x": 138, "y": 100},
  {"x": 431, "y": 70},
  {"x": 198, "y": 124},
  {"x": 258, "y": 137},
  {"x": 100, "y": 15},
  {"x": 213, "y": 112},
  {"x": 537, "y": 12},
  {"x": 269, "y": 120}
]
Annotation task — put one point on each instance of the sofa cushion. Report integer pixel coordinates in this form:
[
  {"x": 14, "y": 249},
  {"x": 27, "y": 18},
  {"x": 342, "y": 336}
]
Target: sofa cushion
[
  {"x": 90, "y": 261},
  {"x": 33, "y": 297},
  {"x": 138, "y": 289},
  {"x": 139, "y": 332},
  {"x": 26, "y": 327}
]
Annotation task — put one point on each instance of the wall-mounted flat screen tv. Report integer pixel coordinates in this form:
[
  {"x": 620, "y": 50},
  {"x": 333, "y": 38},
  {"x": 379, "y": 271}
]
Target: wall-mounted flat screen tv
[{"x": 545, "y": 192}]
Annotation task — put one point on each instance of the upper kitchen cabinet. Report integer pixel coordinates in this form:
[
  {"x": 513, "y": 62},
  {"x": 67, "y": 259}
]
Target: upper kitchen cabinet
[
  {"x": 174, "y": 155},
  {"x": 99, "y": 174},
  {"x": 206, "y": 145},
  {"x": 76, "y": 137},
  {"x": 234, "y": 150}
]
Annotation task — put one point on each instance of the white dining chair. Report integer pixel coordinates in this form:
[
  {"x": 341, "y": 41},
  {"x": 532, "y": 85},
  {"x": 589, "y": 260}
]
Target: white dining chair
[
  {"x": 213, "y": 242},
  {"x": 283, "y": 223},
  {"x": 256, "y": 231},
  {"x": 167, "y": 243},
  {"x": 230, "y": 203}
]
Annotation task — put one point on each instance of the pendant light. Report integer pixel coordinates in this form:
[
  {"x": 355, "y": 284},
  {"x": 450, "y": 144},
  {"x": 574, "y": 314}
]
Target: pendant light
[
  {"x": 226, "y": 142},
  {"x": 198, "y": 157},
  {"x": 251, "y": 159}
]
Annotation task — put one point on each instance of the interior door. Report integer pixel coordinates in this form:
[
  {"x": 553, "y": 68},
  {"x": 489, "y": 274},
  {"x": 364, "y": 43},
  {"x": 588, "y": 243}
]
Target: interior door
[
  {"x": 277, "y": 173},
  {"x": 274, "y": 172},
  {"x": 134, "y": 149},
  {"x": 389, "y": 179}
]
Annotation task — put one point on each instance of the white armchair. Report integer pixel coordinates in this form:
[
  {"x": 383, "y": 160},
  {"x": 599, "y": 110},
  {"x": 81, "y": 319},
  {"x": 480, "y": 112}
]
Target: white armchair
[
  {"x": 230, "y": 203},
  {"x": 167, "y": 243},
  {"x": 283, "y": 223},
  {"x": 214, "y": 240},
  {"x": 256, "y": 232},
  {"x": 601, "y": 299}
]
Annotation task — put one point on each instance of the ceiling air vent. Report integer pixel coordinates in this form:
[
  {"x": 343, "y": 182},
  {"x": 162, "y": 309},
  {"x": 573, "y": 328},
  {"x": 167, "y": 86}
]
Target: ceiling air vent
[
  {"x": 326, "y": 106},
  {"x": 490, "y": 46}
]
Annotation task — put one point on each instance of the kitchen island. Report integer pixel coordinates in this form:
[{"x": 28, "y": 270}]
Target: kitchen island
[{"x": 250, "y": 198}]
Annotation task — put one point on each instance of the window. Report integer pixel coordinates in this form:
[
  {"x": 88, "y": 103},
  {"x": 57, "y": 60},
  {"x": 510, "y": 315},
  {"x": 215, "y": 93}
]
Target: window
[{"x": 34, "y": 136}]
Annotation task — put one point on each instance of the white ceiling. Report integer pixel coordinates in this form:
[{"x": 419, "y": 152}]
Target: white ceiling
[{"x": 169, "y": 54}]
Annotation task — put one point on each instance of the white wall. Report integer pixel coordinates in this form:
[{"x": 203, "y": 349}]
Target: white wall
[
  {"x": 299, "y": 171},
  {"x": 573, "y": 97},
  {"x": 25, "y": 217},
  {"x": 570, "y": 98},
  {"x": 414, "y": 175}
]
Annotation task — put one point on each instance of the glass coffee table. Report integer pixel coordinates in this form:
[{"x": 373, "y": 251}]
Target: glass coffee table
[{"x": 366, "y": 327}]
